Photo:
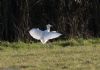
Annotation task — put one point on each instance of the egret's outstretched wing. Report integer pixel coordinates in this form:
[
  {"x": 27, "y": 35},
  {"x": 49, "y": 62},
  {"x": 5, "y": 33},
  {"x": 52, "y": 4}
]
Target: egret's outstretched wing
[
  {"x": 36, "y": 33},
  {"x": 51, "y": 35}
]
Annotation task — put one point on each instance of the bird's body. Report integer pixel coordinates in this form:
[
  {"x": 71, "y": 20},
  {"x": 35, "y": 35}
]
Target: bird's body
[{"x": 45, "y": 35}]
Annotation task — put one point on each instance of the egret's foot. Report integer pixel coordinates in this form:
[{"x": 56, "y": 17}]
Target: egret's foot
[{"x": 48, "y": 45}]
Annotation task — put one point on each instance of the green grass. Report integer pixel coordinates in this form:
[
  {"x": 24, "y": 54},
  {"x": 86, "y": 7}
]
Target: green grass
[{"x": 72, "y": 54}]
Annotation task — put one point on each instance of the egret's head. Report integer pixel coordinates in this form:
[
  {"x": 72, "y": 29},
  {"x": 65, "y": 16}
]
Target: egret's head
[{"x": 48, "y": 26}]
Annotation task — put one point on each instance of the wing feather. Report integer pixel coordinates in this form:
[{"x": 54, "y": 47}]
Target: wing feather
[
  {"x": 36, "y": 33},
  {"x": 51, "y": 35}
]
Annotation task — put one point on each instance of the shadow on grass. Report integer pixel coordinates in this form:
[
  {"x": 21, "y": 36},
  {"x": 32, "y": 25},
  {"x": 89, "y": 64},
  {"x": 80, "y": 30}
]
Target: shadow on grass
[
  {"x": 10, "y": 68},
  {"x": 65, "y": 44},
  {"x": 22, "y": 55},
  {"x": 18, "y": 67},
  {"x": 71, "y": 44},
  {"x": 1, "y": 49}
]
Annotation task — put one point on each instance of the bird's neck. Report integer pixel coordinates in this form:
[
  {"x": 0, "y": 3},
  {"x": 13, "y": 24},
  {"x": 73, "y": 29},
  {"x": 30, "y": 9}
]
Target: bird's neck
[{"x": 48, "y": 29}]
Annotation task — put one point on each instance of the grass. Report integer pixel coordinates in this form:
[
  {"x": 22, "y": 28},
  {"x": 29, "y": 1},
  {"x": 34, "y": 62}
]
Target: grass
[{"x": 72, "y": 54}]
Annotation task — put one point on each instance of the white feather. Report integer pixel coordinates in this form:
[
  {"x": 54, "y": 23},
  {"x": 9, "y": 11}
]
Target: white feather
[
  {"x": 51, "y": 35},
  {"x": 36, "y": 33},
  {"x": 45, "y": 35}
]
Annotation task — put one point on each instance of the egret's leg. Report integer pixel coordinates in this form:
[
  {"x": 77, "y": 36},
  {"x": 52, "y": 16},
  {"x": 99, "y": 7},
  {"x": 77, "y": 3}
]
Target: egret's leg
[
  {"x": 47, "y": 45},
  {"x": 50, "y": 45}
]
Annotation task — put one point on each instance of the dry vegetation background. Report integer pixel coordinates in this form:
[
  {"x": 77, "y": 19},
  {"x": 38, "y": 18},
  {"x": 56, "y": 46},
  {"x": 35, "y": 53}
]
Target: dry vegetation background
[{"x": 73, "y": 18}]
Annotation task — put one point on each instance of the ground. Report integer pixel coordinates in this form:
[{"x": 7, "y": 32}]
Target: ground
[{"x": 52, "y": 56}]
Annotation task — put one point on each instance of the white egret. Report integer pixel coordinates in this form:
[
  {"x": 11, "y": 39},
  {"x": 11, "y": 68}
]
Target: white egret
[{"x": 45, "y": 35}]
